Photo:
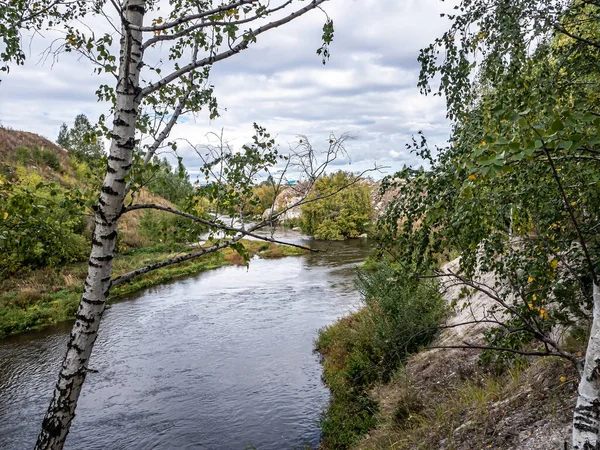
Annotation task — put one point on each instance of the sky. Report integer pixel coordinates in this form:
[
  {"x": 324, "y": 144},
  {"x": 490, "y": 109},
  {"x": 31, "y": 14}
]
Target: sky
[{"x": 368, "y": 88}]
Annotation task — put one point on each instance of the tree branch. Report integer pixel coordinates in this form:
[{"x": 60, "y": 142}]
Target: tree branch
[
  {"x": 224, "y": 55},
  {"x": 467, "y": 345},
  {"x": 217, "y": 225},
  {"x": 134, "y": 273},
  {"x": 170, "y": 37},
  {"x": 184, "y": 19}
]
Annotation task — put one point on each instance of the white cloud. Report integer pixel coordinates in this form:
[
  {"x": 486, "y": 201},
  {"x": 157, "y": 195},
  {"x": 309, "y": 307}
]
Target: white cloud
[{"x": 368, "y": 88}]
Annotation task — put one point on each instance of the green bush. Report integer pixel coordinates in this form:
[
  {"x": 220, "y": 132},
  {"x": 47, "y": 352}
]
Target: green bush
[
  {"x": 40, "y": 226},
  {"x": 165, "y": 228},
  {"x": 400, "y": 316},
  {"x": 37, "y": 156}
]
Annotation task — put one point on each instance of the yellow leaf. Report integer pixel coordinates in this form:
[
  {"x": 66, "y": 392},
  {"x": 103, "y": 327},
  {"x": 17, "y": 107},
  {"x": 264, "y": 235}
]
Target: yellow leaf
[
  {"x": 5, "y": 215},
  {"x": 530, "y": 279},
  {"x": 543, "y": 313},
  {"x": 554, "y": 264},
  {"x": 472, "y": 177},
  {"x": 563, "y": 379}
]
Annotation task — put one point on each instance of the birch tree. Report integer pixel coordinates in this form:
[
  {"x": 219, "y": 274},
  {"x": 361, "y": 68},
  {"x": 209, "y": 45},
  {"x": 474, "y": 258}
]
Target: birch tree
[
  {"x": 515, "y": 193},
  {"x": 159, "y": 54}
]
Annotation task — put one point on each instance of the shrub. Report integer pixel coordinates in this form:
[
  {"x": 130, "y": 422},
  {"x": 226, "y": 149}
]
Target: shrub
[
  {"x": 398, "y": 318},
  {"x": 164, "y": 228},
  {"x": 40, "y": 225}
]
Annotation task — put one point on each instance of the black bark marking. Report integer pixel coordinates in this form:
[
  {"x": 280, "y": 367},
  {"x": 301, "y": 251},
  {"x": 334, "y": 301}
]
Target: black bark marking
[
  {"x": 129, "y": 144},
  {"x": 105, "y": 279},
  {"x": 75, "y": 347},
  {"x": 109, "y": 191},
  {"x": 93, "y": 264},
  {"x": 92, "y": 302},
  {"x": 103, "y": 258},
  {"x": 595, "y": 374},
  {"x": 120, "y": 180},
  {"x": 84, "y": 319},
  {"x": 110, "y": 236},
  {"x": 116, "y": 158},
  {"x": 120, "y": 122},
  {"x": 136, "y": 8},
  {"x": 96, "y": 242},
  {"x": 126, "y": 167},
  {"x": 110, "y": 169}
]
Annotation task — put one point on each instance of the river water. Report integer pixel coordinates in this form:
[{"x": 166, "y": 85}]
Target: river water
[{"x": 221, "y": 360}]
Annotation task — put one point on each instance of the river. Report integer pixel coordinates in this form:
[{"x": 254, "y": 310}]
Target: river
[{"x": 221, "y": 360}]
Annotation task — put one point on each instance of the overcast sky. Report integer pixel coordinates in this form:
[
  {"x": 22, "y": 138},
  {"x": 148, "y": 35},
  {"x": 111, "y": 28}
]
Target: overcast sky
[{"x": 368, "y": 88}]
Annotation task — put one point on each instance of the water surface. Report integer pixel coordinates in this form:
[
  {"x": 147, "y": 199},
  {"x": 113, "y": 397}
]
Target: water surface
[{"x": 222, "y": 360}]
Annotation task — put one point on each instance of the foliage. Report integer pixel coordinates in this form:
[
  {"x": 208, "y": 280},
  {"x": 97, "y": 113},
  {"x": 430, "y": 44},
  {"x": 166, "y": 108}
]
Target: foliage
[
  {"x": 263, "y": 199},
  {"x": 516, "y": 191},
  {"x": 37, "y": 156},
  {"x": 160, "y": 227},
  {"x": 168, "y": 182},
  {"x": 367, "y": 347},
  {"x": 82, "y": 141},
  {"x": 41, "y": 223},
  {"x": 344, "y": 213}
]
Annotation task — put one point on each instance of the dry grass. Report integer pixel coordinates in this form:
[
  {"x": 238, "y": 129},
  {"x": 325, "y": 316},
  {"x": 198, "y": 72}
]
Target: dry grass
[
  {"x": 444, "y": 400},
  {"x": 10, "y": 140}
]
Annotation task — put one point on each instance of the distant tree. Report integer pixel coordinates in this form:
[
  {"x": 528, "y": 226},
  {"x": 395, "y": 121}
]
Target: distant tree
[
  {"x": 344, "y": 212},
  {"x": 63, "y": 136},
  {"x": 81, "y": 140}
]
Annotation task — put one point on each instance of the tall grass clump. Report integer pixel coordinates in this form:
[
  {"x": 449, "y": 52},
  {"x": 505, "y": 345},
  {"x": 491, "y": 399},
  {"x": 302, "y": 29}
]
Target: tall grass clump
[{"x": 399, "y": 316}]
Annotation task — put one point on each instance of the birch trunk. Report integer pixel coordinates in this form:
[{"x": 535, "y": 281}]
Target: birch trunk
[
  {"x": 61, "y": 411},
  {"x": 586, "y": 420}
]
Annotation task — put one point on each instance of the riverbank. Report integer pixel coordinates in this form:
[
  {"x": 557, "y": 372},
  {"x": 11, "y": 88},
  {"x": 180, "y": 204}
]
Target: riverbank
[
  {"x": 439, "y": 398},
  {"x": 45, "y": 297}
]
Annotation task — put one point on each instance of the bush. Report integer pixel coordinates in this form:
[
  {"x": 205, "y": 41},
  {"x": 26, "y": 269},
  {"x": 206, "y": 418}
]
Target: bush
[
  {"x": 160, "y": 227},
  {"x": 40, "y": 225},
  {"x": 400, "y": 316},
  {"x": 37, "y": 156}
]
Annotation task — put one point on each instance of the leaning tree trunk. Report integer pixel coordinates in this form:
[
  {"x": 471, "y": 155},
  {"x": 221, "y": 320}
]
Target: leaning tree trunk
[
  {"x": 586, "y": 420},
  {"x": 61, "y": 411}
]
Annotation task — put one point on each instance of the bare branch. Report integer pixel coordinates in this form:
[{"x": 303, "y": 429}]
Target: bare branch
[
  {"x": 467, "y": 345},
  {"x": 217, "y": 225}
]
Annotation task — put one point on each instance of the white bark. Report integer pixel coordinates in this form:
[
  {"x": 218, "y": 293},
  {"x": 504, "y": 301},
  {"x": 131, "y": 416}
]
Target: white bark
[
  {"x": 61, "y": 411},
  {"x": 586, "y": 420}
]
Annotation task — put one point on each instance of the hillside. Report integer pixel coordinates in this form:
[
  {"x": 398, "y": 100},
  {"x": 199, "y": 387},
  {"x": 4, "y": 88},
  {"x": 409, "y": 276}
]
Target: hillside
[
  {"x": 42, "y": 160},
  {"x": 446, "y": 399}
]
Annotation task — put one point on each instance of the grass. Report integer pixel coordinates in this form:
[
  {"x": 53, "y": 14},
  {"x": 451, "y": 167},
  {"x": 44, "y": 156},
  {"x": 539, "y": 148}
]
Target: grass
[
  {"x": 45, "y": 297},
  {"x": 428, "y": 404}
]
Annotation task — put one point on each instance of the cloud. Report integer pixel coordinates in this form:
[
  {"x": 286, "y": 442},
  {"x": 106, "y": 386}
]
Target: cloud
[{"x": 368, "y": 88}]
